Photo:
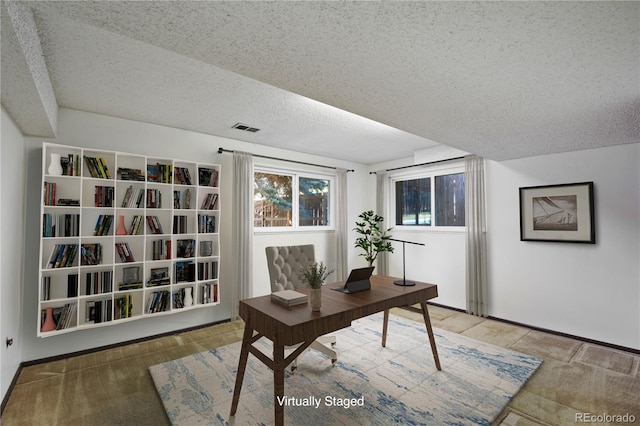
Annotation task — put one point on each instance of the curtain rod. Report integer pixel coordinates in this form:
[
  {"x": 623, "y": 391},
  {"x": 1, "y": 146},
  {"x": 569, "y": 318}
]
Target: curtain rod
[
  {"x": 221, "y": 150},
  {"x": 417, "y": 165}
]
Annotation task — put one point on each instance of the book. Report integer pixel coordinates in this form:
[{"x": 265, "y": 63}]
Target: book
[{"x": 289, "y": 297}]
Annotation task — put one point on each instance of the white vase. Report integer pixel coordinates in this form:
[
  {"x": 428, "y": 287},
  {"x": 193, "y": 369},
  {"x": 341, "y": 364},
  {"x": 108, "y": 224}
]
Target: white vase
[
  {"x": 188, "y": 296},
  {"x": 55, "y": 166},
  {"x": 315, "y": 296}
]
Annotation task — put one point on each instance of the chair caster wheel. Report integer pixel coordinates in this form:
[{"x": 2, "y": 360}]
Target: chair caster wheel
[
  {"x": 293, "y": 369},
  {"x": 333, "y": 361},
  {"x": 333, "y": 344}
]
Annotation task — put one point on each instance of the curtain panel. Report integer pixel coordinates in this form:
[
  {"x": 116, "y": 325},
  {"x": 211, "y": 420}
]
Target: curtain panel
[
  {"x": 342, "y": 232},
  {"x": 242, "y": 229},
  {"x": 382, "y": 201},
  {"x": 476, "y": 242}
]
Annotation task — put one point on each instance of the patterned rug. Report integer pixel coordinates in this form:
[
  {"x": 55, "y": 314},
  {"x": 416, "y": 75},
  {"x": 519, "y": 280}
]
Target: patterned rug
[{"x": 369, "y": 385}]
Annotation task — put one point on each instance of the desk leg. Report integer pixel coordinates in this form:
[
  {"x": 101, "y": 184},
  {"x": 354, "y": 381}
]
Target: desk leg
[
  {"x": 242, "y": 365},
  {"x": 432, "y": 340},
  {"x": 384, "y": 328},
  {"x": 278, "y": 382}
]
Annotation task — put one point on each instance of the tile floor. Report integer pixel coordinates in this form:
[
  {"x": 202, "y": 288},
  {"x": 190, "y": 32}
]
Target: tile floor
[{"x": 113, "y": 387}]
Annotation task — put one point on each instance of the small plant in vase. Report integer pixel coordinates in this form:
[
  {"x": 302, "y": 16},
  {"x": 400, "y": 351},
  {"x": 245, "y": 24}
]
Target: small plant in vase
[
  {"x": 314, "y": 276},
  {"x": 372, "y": 239}
]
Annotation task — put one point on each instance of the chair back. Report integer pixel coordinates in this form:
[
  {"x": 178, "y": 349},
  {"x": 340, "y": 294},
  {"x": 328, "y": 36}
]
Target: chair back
[{"x": 284, "y": 264}]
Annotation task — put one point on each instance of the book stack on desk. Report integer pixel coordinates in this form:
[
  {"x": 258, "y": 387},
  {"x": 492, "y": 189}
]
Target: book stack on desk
[{"x": 289, "y": 297}]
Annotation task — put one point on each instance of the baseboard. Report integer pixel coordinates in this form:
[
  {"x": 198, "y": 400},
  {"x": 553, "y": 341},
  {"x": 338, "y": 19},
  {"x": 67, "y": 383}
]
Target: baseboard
[
  {"x": 544, "y": 330},
  {"x": 5, "y": 400}
]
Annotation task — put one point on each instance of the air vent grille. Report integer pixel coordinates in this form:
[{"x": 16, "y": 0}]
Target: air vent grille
[{"x": 244, "y": 127}]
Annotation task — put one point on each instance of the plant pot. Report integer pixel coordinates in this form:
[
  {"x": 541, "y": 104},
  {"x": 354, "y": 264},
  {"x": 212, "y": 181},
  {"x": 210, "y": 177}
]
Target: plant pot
[
  {"x": 315, "y": 298},
  {"x": 55, "y": 166}
]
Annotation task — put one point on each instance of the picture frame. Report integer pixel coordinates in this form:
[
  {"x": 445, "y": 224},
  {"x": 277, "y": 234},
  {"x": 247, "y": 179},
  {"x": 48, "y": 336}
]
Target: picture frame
[
  {"x": 558, "y": 213},
  {"x": 131, "y": 275}
]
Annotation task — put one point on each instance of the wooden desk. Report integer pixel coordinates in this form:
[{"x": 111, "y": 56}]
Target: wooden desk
[{"x": 299, "y": 325}]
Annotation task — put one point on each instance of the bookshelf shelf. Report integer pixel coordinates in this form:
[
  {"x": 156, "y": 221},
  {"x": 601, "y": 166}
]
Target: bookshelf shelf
[{"x": 167, "y": 262}]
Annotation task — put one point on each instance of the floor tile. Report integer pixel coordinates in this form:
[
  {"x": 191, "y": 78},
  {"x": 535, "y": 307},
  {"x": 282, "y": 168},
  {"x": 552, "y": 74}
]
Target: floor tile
[
  {"x": 610, "y": 359},
  {"x": 545, "y": 345},
  {"x": 497, "y": 333}
]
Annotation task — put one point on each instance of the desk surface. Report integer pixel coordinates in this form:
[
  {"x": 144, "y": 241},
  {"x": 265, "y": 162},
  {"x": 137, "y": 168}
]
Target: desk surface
[{"x": 338, "y": 309}]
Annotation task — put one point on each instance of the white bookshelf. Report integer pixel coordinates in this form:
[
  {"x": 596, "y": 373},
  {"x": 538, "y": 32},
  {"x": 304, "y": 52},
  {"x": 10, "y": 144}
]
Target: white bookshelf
[{"x": 138, "y": 275}]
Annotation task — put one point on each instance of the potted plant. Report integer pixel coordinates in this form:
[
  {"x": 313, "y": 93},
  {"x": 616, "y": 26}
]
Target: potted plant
[
  {"x": 314, "y": 276},
  {"x": 372, "y": 239}
]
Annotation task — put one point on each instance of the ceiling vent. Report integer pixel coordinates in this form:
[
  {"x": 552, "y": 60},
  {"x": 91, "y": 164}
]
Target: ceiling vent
[{"x": 244, "y": 127}]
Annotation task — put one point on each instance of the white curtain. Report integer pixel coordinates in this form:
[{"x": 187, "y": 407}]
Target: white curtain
[
  {"x": 342, "y": 231},
  {"x": 382, "y": 201},
  {"x": 476, "y": 244},
  {"x": 242, "y": 229}
]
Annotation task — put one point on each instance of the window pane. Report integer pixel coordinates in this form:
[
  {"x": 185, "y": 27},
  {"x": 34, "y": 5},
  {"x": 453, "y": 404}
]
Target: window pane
[
  {"x": 272, "y": 200},
  {"x": 314, "y": 202},
  {"x": 413, "y": 202},
  {"x": 450, "y": 200}
]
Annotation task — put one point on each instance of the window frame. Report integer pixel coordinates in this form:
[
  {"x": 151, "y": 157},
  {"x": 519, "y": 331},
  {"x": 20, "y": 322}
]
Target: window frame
[
  {"x": 296, "y": 174},
  {"x": 420, "y": 173}
]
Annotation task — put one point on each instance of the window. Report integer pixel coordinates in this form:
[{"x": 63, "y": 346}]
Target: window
[
  {"x": 276, "y": 207},
  {"x": 415, "y": 197}
]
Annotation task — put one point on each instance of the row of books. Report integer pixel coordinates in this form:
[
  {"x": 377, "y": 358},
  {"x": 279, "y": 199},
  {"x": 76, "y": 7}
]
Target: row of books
[
  {"x": 182, "y": 203},
  {"x": 160, "y": 173},
  {"x": 125, "y": 173},
  {"x": 184, "y": 271},
  {"x": 62, "y": 255},
  {"x": 99, "y": 311},
  {"x": 125, "y": 252},
  {"x": 70, "y": 165},
  {"x": 208, "y": 270},
  {"x": 210, "y": 202},
  {"x": 178, "y": 298},
  {"x": 91, "y": 254},
  {"x": 158, "y": 301},
  {"x": 154, "y": 225},
  {"x": 97, "y": 167},
  {"x": 154, "y": 199},
  {"x": 161, "y": 249},
  {"x": 209, "y": 293},
  {"x": 123, "y": 307},
  {"x": 136, "y": 226},
  {"x": 185, "y": 248},
  {"x": 182, "y": 176},
  {"x": 207, "y": 177},
  {"x": 103, "y": 225},
  {"x": 63, "y": 316},
  {"x": 133, "y": 197},
  {"x": 206, "y": 224},
  {"x": 104, "y": 196},
  {"x": 180, "y": 224},
  {"x": 98, "y": 282},
  {"x": 60, "y": 225}
]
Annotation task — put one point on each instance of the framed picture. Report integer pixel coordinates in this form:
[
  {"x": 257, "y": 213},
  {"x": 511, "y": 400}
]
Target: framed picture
[
  {"x": 131, "y": 275},
  {"x": 558, "y": 213}
]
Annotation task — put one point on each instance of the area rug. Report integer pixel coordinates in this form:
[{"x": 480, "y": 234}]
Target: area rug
[{"x": 369, "y": 385}]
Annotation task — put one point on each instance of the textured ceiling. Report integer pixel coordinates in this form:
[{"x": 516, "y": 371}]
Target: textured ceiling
[{"x": 500, "y": 79}]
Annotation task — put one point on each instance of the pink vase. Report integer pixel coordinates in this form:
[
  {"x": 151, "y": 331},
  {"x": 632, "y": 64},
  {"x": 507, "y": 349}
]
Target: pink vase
[
  {"x": 121, "y": 230},
  {"x": 49, "y": 324}
]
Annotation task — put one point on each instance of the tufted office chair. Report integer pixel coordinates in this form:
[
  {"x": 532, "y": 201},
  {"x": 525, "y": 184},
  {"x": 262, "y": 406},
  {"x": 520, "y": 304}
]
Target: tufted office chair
[{"x": 284, "y": 265}]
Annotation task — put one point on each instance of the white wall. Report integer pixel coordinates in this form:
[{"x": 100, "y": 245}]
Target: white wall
[
  {"x": 108, "y": 133},
  {"x": 591, "y": 291},
  {"x": 11, "y": 248},
  {"x": 586, "y": 290}
]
